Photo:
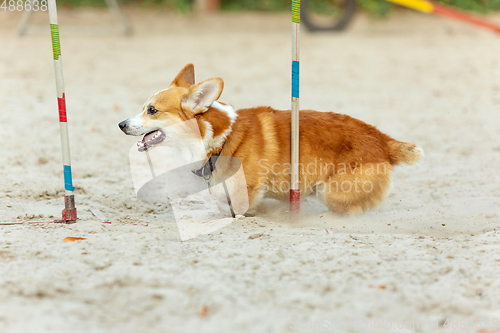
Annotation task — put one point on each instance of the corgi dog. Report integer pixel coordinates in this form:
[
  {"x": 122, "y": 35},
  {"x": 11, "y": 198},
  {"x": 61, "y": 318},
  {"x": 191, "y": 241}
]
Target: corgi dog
[{"x": 344, "y": 161}]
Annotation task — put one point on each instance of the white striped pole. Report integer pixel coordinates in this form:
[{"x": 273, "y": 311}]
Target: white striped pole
[
  {"x": 69, "y": 212},
  {"x": 294, "y": 180}
]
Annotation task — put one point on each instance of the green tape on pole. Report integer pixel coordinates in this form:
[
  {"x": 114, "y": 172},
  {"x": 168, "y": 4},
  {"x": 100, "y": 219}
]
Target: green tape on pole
[
  {"x": 56, "y": 44},
  {"x": 296, "y": 11}
]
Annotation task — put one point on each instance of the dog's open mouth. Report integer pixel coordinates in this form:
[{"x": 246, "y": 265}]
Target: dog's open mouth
[{"x": 150, "y": 140}]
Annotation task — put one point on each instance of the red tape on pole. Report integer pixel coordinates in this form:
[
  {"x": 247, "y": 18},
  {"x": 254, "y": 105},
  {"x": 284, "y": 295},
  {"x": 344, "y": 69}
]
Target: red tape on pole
[{"x": 61, "y": 102}]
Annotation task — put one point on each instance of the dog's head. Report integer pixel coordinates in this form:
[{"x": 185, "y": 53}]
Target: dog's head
[{"x": 181, "y": 102}]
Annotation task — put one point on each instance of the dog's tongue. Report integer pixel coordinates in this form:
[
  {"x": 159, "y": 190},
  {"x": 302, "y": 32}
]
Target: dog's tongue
[
  {"x": 150, "y": 140},
  {"x": 149, "y": 136}
]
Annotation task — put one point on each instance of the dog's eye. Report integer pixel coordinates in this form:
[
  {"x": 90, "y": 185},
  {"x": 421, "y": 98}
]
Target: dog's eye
[{"x": 152, "y": 110}]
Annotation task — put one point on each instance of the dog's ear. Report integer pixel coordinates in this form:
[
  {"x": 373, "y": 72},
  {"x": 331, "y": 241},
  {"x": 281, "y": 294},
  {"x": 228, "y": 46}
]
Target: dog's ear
[
  {"x": 185, "y": 78},
  {"x": 201, "y": 96}
]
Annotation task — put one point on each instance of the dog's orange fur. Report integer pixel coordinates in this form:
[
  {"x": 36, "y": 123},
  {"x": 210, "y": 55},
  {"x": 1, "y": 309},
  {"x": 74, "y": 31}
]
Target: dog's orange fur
[
  {"x": 334, "y": 149},
  {"x": 328, "y": 141}
]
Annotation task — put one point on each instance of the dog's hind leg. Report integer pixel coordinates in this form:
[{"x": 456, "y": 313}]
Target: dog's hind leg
[{"x": 357, "y": 190}]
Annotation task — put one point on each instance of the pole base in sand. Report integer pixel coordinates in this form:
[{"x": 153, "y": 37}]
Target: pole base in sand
[
  {"x": 294, "y": 202},
  {"x": 69, "y": 212},
  {"x": 68, "y": 216}
]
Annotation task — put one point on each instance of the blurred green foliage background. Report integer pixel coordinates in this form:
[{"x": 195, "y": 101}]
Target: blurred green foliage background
[{"x": 377, "y": 8}]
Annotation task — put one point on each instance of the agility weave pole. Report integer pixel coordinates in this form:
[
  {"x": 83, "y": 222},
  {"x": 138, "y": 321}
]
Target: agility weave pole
[
  {"x": 69, "y": 212},
  {"x": 294, "y": 177},
  {"x": 433, "y": 8}
]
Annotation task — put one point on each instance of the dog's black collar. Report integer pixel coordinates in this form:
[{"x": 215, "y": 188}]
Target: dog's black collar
[{"x": 207, "y": 170}]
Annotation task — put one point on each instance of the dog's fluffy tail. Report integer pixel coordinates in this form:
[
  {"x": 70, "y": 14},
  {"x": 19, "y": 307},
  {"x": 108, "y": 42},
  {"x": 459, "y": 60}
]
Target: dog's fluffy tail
[{"x": 404, "y": 153}]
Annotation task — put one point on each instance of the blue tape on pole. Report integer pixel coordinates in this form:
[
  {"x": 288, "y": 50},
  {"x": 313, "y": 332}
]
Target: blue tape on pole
[
  {"x": 68, "y": 179},
  {"x": 295, "y": 79}
]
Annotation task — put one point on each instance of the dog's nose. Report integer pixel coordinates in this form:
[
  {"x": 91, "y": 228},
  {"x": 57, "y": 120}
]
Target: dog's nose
[{"x": 122, "y": 125}]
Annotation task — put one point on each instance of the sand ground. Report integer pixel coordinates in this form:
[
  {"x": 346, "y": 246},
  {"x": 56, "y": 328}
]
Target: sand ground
[{"x": 430, "y": 255}]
